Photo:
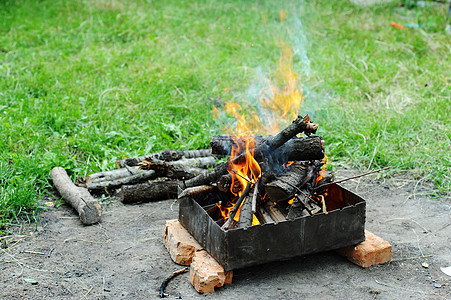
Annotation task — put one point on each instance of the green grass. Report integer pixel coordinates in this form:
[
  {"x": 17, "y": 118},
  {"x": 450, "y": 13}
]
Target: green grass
[{"x": 84, "y": 83}]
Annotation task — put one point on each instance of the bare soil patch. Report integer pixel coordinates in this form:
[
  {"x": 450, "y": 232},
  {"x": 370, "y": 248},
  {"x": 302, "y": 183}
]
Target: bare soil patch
[{"x": 123, "y": 257}]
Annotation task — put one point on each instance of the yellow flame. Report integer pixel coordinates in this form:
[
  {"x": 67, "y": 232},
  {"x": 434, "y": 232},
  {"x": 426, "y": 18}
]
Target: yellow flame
[{"x": 280, "y": 102}]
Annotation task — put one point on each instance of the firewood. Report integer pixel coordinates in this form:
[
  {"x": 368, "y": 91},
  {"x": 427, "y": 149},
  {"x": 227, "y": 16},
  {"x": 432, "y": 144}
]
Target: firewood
[
  {"x": 169, "y": 170},
  {"x": 199, "y": 162},
  {"x": 166, "y": 155},
  {"x": 246, "y": 214},
  {"x": 264, "y": 217},
  {"x": 225, "y": 182},
  {"x": 274, "y": 212},
  {"x": 299, "y": 125},
  {"x": 151, "y": 191},
  {"x": 79, "y": 198},
  {"x": 299, "y": 205},
  {"x": 112, "y": 174},
  {"x": 255, "y": 195},
  {"x": 284, "y": 187},
  {"x": 309, "y": 148},
  {"x": 143, "y": 175},
  {"x": 208, "y": 176},
  {"x": 197, "y": 190},
  {"x": 235, "y": 208},
  {"x": 222, "y": 144}
]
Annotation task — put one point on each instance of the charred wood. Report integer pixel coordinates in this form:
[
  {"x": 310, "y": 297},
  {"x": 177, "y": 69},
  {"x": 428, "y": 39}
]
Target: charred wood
[
  {"x": 225, "y": 182},
  {"x": 309, "y": 148},
  {"x": 237, "y": 205},
  {"x": 274, "y": 212},
  {"x": 208, "y": 176},
  {"x": 284, "y": 187},
  {"x": 166, "y": 281},
  {"x": 299, "y": 206},
  {"x": 222, "y": 144}
]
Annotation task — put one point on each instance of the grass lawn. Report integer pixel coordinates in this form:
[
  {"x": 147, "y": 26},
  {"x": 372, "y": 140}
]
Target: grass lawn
[{"x": 84, "y": 83}]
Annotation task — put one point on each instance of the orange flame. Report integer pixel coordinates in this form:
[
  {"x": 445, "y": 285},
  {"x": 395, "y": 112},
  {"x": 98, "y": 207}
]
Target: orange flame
[
  {"x": 278, "y": 104},
  {"x": 242, "y": 164}
]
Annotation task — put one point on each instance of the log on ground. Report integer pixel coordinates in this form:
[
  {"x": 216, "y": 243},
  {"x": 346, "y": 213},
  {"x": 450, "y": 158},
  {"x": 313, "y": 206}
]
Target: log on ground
[
  {"x": 166, "y": 155},
  {"x": 79, "y": 198},
  {"x": 151, "y": 191},
  {"x": 143, "y": 175}
]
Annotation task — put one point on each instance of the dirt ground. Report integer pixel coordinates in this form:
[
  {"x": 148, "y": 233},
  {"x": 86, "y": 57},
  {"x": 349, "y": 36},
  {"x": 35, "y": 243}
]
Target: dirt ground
[{"x": 123, "y": 257}]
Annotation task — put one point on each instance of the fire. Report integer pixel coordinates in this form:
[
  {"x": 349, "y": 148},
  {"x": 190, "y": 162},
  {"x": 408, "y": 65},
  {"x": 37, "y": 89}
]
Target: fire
[
  {"x": 243, "y": 166},
  {"x": 277, "y": 105},
  {"x": 244, "y": 169}
]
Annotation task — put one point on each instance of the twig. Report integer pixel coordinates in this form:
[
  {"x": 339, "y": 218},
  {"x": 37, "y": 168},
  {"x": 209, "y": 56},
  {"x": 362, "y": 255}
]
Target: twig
[
  {"x": 245, "y": 178},
  {"x": 254, "y": 196},
  {"x": 33, "y": 252},
  {"x": 86, "y": 241},
  {"x": 409, "y": 258},
  {"x": 349, "y": 178},
  {"x": 50, "y": 252},
  {"x": 409, "y": 290},
  {"x": 166, "y": 281}
]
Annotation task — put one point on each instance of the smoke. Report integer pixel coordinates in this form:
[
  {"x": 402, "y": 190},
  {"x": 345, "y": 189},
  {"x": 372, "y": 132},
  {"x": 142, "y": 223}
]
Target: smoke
[{"x": 264, "y": 103}]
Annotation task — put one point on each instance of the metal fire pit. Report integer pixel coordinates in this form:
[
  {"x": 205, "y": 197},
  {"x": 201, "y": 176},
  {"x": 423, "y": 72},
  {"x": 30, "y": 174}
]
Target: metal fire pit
[{"x": 342, "y": 226}]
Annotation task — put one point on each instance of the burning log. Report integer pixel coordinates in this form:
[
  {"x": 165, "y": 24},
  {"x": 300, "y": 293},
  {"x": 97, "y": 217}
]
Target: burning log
[
  {"x": 284, "y": 187},
  {"x": 301, "y": 124},
  {"x": 235, "y": 208},
  {"x": 310, "y": 148},
  {"x": 299, "y": 207},
  {"x": 246, "y": 214},
  {"x": 151, "y": 191},
  {"x": 79, "y": 198},
  {"x": 222, "y": 144},
  {"x": 166, "y": 155}
]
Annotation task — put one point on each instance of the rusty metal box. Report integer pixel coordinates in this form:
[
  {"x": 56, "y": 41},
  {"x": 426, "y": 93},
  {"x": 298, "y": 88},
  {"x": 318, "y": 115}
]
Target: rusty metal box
[{"x": 342, "y": 226}]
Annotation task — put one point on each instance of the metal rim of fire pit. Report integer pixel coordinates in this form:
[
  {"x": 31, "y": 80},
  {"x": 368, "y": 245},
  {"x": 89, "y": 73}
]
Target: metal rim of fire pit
[{"x": 238, "y": 248}]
